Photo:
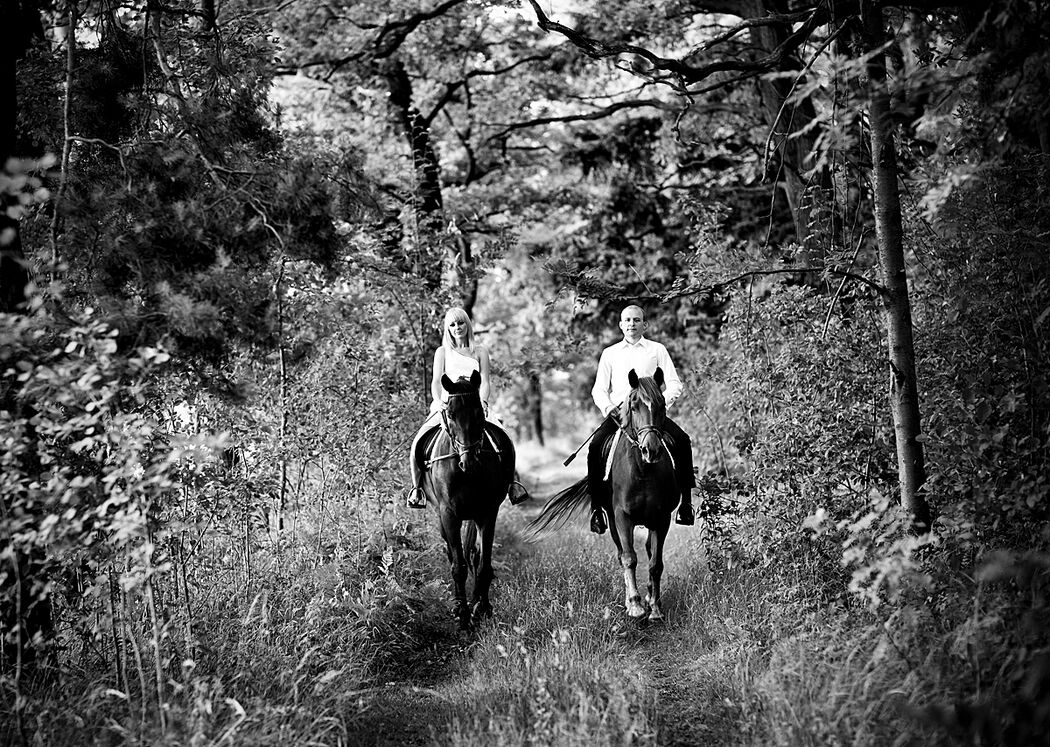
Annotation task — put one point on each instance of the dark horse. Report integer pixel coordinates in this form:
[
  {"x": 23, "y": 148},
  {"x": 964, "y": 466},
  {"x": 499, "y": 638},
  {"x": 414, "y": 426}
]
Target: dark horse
[
  {"x": 469, "y": 470},
  {"x": 644, "y": 491}
]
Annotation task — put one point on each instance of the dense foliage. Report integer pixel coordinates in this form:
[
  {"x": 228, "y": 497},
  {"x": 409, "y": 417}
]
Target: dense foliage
[{"x": 242, "y": 231}]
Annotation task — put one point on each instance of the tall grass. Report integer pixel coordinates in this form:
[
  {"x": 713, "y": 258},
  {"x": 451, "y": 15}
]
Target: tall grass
[
  {"x": 339, "y": 633},
  {"x": 746, "y": 658}
]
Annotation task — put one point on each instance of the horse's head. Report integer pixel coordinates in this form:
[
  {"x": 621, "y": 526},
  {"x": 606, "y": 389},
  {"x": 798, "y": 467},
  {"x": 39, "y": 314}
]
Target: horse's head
[
  {"x": 464, "y": 417},
  {"x": 645, "y": 413}
]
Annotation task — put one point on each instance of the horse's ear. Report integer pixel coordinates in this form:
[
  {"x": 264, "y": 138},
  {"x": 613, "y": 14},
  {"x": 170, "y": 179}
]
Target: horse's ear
[
  {"x": 475, "y": 379},
  {"x": 632, "y": 379},
  {"x": 446, "y": 382},
  {"x": 658, "y": 376}
]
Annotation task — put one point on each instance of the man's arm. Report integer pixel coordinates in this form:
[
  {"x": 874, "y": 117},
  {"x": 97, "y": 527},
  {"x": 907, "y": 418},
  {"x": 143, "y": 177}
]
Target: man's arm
[
  {"x": 603, "y": 384},
  {"x": 673, "y": 387}
]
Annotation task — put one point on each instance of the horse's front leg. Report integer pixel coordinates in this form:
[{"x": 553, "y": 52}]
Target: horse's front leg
[
  {"x": 479, "y": 603},
  {"x": 450, "y": 531},
  {"x": 654, "y": 546},
  {"x": 624, "y": 529}
]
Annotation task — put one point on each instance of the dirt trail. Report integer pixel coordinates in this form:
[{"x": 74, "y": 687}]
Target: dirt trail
[
  {"x": 409, "y": 709},
  {"x": 691, "y": 710}
]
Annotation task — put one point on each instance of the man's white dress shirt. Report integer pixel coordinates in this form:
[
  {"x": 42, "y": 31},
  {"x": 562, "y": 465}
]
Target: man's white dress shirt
[{"x": 611, "y": 385}]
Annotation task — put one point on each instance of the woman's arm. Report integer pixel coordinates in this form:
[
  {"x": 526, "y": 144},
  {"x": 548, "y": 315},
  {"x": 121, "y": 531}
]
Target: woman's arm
[
  {"x": 439, "y": 370},
  {"x": 483, "y": 363}
]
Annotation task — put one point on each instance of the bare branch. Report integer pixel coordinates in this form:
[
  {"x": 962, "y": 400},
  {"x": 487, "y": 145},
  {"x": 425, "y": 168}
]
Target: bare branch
[
  {"x": 389, "y": 39},
  {"x": 721, "y": 285},
  {"x": 451, "y": 88},
  {"x": 399, "y": 30},
  {"x": 808, "y": 19},
  {"x": 684, "y": 71},
  {"x": 601, "y": 113},
  {"x": 590, "y": 286}
]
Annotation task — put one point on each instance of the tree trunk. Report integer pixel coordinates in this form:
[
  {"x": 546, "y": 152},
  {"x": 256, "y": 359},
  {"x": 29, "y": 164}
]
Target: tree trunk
[
  {"x": 427, "y": 202},
  {"x": 785, "y": 123},
  {"x": 437, "y": 247},
  {"x": 904, "y": 397},
  {"x": 466, "y": 280},
  {"x": 535, "y": 406},
  {"x": 208, "y": 14}
]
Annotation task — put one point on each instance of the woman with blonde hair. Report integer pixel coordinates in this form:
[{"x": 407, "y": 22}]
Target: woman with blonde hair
[{"x": 458, "y": 357}]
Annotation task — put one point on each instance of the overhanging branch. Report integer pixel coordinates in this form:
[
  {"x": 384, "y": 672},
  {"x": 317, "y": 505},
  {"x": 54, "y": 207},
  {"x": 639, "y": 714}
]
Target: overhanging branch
[
  {"x": 602, "y": 113},
  {"x": 687, "y": 73},
  {"x": 595, "y": 288},
  {"x": 807, "y": 20}
]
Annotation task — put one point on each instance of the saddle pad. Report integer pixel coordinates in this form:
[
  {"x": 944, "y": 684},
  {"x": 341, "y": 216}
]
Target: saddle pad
[
  {"x": 425, "y": 448},
  {"x": 611, "y": 446}
]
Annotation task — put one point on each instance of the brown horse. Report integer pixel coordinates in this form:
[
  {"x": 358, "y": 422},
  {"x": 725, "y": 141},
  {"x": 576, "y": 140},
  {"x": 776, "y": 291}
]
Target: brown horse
[
  {"x": 644, "y": 492},
  {"x": 469, "y": 469}
]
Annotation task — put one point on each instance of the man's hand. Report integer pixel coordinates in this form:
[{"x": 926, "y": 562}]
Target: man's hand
[{"x": 614, "y": 414}]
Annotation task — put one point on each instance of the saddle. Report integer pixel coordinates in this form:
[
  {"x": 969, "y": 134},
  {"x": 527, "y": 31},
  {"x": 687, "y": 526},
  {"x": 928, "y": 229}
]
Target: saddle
[{"x": 427, "y": 445}]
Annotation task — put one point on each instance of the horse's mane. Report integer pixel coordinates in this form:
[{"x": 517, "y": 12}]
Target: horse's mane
[
  {"x": 649, "y": 389},
  {"x": 649, "y": 392}
]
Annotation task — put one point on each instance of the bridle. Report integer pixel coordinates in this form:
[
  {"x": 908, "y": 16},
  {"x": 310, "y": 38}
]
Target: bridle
[
  {"x": 462, "y": 448},
  {"x": 639, "y": 433}
]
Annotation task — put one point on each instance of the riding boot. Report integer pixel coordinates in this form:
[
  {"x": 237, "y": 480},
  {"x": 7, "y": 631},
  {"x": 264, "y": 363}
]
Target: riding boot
[
  {"x": 416, "y": 498},
  {"x": 517, "y": 493},
  {"x": 596, "y": 487},
  {"x": 685, "y": 509},
  {"x": 598, "y": 523},
  {"x": 596, "y": 483},
  {"x": 687, "y": 479}
]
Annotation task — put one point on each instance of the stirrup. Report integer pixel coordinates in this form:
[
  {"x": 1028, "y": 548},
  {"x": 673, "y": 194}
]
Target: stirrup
[
  {"x": 416, "y": 498},
  {"x": 517, "y": 493},
  {"x": 685, "y": 515}
]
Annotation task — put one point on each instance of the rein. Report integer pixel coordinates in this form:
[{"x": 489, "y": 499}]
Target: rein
[{"x": 641, "y": 433}]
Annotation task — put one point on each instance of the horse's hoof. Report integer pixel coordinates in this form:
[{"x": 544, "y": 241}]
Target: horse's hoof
[
  {"x": 656, "y": 614},
  {"x": 636, "y": 610}
]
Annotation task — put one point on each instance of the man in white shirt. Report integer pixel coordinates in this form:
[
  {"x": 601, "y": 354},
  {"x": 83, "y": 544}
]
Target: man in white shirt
[{"x": 609, "y": 391}]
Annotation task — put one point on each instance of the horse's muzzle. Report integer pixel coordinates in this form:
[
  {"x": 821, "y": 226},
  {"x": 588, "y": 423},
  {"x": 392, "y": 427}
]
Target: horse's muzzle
[
  {"x": 468, "y": 460},
  {"x": 650, "y": 444}
]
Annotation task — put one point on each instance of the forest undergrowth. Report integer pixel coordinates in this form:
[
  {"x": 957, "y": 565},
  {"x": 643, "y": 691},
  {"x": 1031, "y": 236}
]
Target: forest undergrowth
[{"x": 355, "y": 644}]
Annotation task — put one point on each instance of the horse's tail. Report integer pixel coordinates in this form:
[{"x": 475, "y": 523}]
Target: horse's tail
[{"x": 563, "y": 506}]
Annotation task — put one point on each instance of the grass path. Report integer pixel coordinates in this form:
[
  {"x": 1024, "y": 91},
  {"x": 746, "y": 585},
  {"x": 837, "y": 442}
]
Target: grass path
[
  {"x": 425, "y": 694},
  {"x": 692, "y": 707}
]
